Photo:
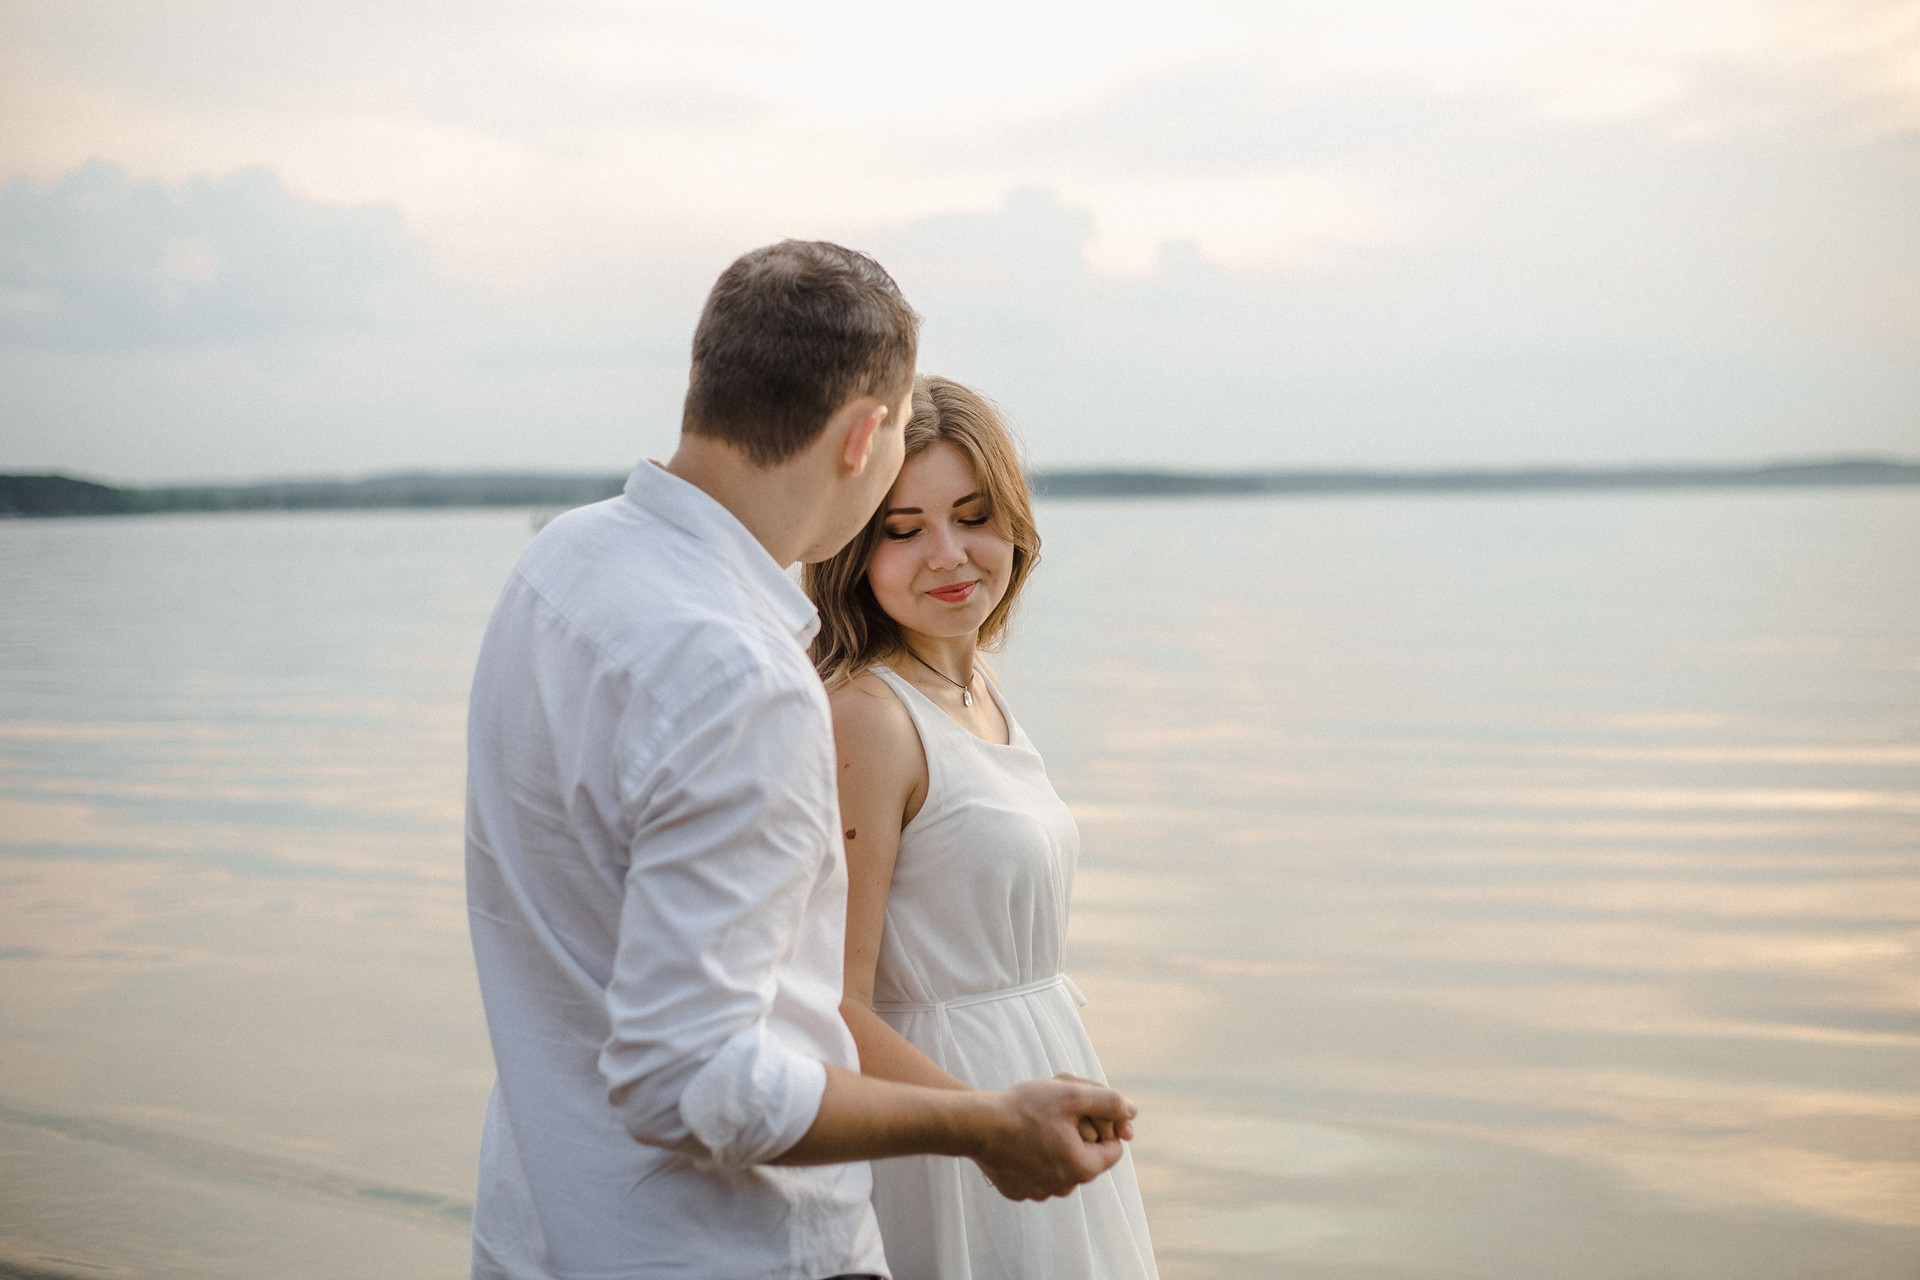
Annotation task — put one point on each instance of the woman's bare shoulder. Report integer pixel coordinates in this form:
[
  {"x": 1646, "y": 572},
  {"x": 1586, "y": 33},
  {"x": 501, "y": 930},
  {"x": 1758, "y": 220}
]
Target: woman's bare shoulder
[
  {"x": 878, "y": 745},
  {"x": 865, "y": 708}
]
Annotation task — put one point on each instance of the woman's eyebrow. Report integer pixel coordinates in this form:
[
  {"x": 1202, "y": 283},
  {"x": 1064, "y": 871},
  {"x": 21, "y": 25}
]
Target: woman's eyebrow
[{"x": 915, "y": 511}]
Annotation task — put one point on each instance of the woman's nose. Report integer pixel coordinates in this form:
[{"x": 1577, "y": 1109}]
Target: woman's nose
[{"x": 944, "y": 550}]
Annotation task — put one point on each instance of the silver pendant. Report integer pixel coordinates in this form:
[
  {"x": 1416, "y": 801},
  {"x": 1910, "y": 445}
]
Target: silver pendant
[{"x": 966, "y": 697}]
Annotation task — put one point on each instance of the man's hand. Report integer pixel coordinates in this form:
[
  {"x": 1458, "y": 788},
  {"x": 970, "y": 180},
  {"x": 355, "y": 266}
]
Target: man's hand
[
  {"x": 1028, "y": 1140},
  {"x": 1043, "y": 1146}
]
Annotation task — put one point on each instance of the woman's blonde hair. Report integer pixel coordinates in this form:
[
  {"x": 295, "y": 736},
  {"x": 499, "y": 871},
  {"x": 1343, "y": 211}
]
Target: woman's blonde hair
[{"x": 855, "y": 632}]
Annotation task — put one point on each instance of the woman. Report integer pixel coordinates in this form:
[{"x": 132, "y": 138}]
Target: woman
[{"x": 959, "y": 855}]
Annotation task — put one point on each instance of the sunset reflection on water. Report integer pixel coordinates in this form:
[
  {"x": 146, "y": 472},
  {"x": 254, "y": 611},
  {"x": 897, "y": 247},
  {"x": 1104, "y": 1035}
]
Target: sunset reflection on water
[
  {"x": 1472, "y": 887},
  {"x": 1587, "y": 908}
]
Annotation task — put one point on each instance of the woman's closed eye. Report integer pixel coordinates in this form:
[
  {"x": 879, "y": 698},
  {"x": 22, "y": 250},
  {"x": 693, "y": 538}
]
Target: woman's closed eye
[{"x": 968, "y": 522}]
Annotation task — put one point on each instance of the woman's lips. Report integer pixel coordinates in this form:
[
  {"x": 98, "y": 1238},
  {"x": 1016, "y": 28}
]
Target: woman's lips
[{"x": 956, "y": 593}]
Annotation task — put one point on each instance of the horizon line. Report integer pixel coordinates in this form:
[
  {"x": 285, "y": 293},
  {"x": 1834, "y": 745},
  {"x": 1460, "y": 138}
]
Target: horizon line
[{"x": 1115, "y": 470}]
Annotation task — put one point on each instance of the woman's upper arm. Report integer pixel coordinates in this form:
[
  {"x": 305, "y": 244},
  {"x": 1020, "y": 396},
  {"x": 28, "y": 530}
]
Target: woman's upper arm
[{"x": 881, "y": 768}]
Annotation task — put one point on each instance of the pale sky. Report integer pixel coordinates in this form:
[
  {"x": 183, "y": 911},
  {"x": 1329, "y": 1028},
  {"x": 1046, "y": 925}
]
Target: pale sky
[{"x": 241, "y": 239}]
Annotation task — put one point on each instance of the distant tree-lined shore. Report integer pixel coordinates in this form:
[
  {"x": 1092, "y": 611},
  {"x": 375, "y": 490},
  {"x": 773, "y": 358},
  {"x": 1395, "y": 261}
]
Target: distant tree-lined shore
[{"x": 60, "y": 495}]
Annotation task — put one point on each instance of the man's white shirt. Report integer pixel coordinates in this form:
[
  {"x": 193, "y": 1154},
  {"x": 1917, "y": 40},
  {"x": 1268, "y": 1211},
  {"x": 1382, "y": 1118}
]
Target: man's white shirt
[{"x": 658, "y": 901}]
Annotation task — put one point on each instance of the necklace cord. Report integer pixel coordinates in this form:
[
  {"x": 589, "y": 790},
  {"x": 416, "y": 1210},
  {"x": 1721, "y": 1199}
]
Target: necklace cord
[{"x": 966, "y": 690}]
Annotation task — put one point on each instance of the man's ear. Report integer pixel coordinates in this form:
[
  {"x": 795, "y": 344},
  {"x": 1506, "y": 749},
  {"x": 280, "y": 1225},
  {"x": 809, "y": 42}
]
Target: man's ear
[{"x": 857, "y": 448}]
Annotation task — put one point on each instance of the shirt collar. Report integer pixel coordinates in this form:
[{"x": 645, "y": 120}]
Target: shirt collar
[{"x": 694, "y": 511}]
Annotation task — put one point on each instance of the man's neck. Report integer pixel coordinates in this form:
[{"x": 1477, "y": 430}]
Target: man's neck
[{"x": 767, "y": 500}]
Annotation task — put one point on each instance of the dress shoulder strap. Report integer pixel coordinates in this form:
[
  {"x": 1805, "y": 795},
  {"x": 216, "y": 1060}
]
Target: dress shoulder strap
[
  {"x": 911, "y": 698},
  {"x": 920, "y": 711}
]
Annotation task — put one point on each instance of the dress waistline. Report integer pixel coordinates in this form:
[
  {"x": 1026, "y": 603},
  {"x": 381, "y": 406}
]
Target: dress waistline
[{"x": 982, "y": 997}]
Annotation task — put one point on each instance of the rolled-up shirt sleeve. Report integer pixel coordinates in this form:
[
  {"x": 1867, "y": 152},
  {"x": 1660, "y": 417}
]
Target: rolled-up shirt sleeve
[{"x": 732, "y": 815}]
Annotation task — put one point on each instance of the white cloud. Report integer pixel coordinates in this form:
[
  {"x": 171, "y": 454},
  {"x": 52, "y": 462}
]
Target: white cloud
[
  {"x": 101, "y": 260},
  {"x": 1394, "y": 231}
]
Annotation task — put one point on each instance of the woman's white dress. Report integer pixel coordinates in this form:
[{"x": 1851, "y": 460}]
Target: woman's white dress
[{"x": 970, "y": 972}]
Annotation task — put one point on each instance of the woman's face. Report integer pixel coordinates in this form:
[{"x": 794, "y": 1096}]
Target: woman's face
[{"x": 939, "y": 567}]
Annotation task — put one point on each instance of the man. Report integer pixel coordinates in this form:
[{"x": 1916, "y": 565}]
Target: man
[{"x": 655, "y": 877}]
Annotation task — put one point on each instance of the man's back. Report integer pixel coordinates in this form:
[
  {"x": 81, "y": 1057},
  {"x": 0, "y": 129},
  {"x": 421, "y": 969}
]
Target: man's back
[{"x": 657, "y": 903}]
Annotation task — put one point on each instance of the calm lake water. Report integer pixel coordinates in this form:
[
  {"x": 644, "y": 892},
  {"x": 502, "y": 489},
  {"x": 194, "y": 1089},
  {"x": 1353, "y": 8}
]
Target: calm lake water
[{"x": 1492, "y": 887}]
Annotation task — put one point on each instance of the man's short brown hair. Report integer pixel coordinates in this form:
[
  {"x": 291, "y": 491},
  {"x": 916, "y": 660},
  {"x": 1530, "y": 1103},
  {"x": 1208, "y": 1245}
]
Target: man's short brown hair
[{"x": 789, "y": 334}]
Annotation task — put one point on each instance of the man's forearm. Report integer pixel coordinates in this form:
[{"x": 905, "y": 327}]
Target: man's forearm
[
  {"x": 862, "y": 1118},
  {"x": 1034, "y": 1140}
]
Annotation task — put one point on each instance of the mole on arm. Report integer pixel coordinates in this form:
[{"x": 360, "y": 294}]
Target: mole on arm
[{"x": 851, "y": 833}]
